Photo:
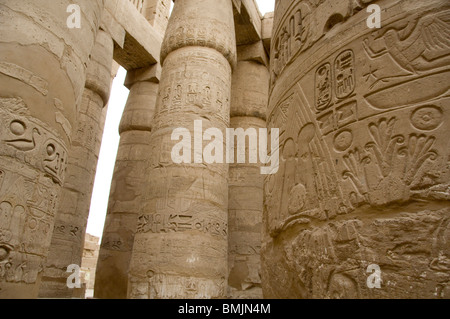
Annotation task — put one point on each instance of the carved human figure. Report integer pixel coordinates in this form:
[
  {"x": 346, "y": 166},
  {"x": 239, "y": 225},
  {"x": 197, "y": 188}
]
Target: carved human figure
[{"x": 363, "y": 143}]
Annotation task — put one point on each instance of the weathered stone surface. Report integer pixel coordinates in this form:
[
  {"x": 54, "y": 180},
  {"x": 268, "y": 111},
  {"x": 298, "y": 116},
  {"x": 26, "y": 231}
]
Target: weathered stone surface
[
  {"x": 183, "y": 226},
  {"x": 254, "y": 52},
  {"x": 249, "y": 91},
  {"x": 245, "y": 211},
  {"x": 138, "y": 115},
  {"x": 72, "y": 214},
  {"x": 42, "y": 76},
  {"x": 249, "y": 98},
  {"x": 247, "y": 22},
  {"x": 127, "y": 192},
  {"x": 170, "y": 225},
  {"x": 363, "y": 180},
  {"x": 364, "y": 170},
  {"x": 266, "y": 30},
  {"x": 157, "y": 14},
  {"x": 199, "y": 24},
  {"x": 129, "y": 183},
  {"x": 137, "y": 42},
  {"x": 89, "y": 263}
]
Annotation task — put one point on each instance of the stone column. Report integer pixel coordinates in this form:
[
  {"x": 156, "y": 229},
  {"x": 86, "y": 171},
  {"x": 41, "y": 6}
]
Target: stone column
[
  {"x": 71, "y": 217},
  {"x": 180, "y": 248},
  {"x": 249, "y": 98},
  {"x": 128, "y": 184},
  {"x": 89, "y": 263},
  {"x": 42, "y": 75},
  {"x": 360, "y": 205}
]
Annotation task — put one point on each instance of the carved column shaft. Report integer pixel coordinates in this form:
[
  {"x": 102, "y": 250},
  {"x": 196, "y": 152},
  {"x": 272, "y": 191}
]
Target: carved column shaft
[
  {"x": 249, "y": 97},
  {"x": 41, "y": 81},
  {"x": 128, "y": 182},
  {"x": 71, "y": 218},
  {"x": 360, "y": 201},
  {"x": 128, "y": 185},
  {"x": 180, "y": 248}
]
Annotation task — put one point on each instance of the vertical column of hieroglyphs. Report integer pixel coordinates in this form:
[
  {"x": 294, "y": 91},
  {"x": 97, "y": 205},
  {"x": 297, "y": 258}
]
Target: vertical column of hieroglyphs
[
  {"x": 42, "y": 76},
  {"x": 359, "y": 207},
  {"x": 180, "y": 248},
  {"x": 128, "y": 184},
  {"x": 249, "y": 97},
  {"x": 71, "y": 217}
]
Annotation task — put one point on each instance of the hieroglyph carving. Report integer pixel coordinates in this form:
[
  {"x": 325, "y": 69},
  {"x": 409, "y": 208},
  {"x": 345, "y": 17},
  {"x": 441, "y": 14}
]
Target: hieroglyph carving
[
  {"x": 398, "y": 161},
  {"x": 30, "y": 140},
  {"x": 302, "y": 25},
  {"x": 28, "y": 195},
  {"x": 396, "y": 157},
  {"x": 27, "y": 208},
  {"x": 363, "y": 135}
]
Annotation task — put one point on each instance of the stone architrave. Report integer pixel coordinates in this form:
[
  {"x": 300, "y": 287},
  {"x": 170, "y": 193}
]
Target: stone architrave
[
  {"x": 180, "y": 247},
  {"x": 157, "y": 13},
  {"x": 71, "y": 217},
  {"x": 364, "y": 174},
  {"x": 42, "y": 76},
  {"x": 249, "y": 98}
]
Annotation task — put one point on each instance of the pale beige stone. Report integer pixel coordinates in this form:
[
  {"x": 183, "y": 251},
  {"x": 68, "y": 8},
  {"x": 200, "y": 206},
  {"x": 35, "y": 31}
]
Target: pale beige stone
[
  {"x": 71, "y": 217},
  {"x": 245, "y": 209},
  {"x": 247, "y": 21},
  {"x": 254, "y": 52},
  {"x": 157, "y": 14},
  {"x": 249, "y": 90},
  {"x": 266, "y": 30},
  {"x": 249, "y": 98},
  {"x": 364, "y": 171},
  {"x": 89, "y": 263},
  {"x": 363, "y": 178},
  {"x": 128, "y": 184},
  {"x": 183, "y": 226},
  {"x": 42, "y": 75},
  {"x": 199, "y": 24},
  {"x": 141, "y": 44},
  {"x": 127, "y": 191}
]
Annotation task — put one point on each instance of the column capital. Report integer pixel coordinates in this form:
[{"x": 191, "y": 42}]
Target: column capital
[{"x": 205, "y": 23}]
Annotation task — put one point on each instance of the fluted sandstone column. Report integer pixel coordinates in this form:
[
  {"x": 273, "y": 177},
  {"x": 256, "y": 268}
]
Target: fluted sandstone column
[
  {"x": 360, "y": 205},
  {"x": 180, "y": 248},
  {"x": 42, "y": 76},
  {"x": 249, "y": 98},
  {"x": 71, "y": 217},
  {"x": 128, "y": 184}
]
